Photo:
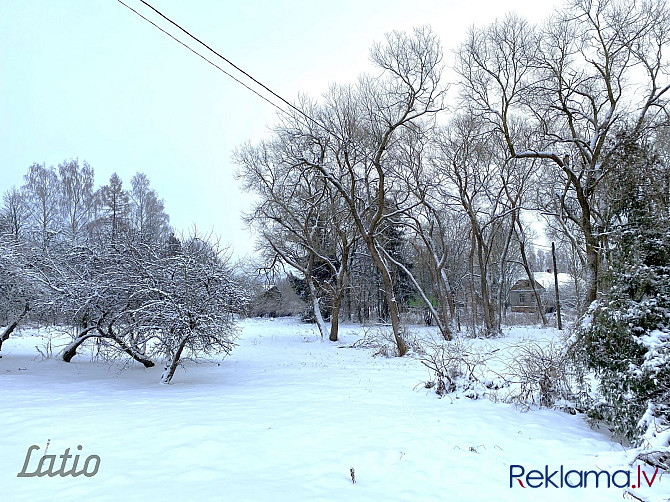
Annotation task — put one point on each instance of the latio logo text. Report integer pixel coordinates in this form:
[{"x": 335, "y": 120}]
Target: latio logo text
[{"x": 47, "y": 463}]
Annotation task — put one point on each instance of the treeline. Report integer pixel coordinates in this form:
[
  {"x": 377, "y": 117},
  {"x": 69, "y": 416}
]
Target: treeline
[
  {"x": 387, "y": 188},
  {"x": 106, "y": 262},
  {"x": 400, "y": 188},
  {"x": 63, "y": 205}
]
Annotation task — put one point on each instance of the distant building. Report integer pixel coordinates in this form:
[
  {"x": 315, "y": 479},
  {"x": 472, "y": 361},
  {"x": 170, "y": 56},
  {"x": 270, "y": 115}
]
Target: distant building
[
  {"x": 522, "y": 298},
  {"x": 277, "y": 301}
]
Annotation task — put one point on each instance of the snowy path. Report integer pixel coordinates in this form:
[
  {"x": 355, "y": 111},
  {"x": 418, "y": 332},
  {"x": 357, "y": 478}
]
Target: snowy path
[{"x": 283, "y": 418}]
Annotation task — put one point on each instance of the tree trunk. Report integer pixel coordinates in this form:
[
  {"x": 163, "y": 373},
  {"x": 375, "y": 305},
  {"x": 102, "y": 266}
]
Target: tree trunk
[
  {"x": 447, "y": 292},
  {"x": 387, "y": 281},
  {"x": 10, "y": 329},
  {"x": 592, "y": 258},
  {"x": 501, "y": 275},
  {"x": 529, "y": 274},
  {"x": 489, "y": 315},
  {"x": 445, "y": 308},
  {"x": 559, "y": 323},
  {"x": 335, "y": 321},
  {"x": 168, "y": 373},
  {"x": 323, "y": 328},
  {"x": 71, "y": 350},
  {"x": 443, "y": 327},
  {"x": 338, "y": 295},
  {"x": 473, "y": 302},
  {"x": 590, "y": 240}
]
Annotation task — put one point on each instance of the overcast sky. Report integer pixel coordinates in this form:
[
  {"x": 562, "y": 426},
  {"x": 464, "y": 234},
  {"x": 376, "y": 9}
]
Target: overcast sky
[{"x": 89, "y": 79}]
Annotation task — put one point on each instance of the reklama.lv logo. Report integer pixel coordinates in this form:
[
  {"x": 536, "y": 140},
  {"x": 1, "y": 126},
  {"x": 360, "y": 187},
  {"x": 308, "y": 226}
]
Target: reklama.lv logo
[{"x": 573, "y": 478}]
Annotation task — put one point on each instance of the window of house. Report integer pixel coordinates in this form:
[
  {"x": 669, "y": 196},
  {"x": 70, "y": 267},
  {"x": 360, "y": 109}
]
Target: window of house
[{"x": 522, "y": 298}]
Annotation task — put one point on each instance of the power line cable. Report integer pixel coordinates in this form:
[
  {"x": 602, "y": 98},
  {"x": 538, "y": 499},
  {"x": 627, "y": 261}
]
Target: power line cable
[
  {"x": 246, "y": 74},
  {"x": 203, "y": 57},
  {"x": 346, "y": 142},
  {"x": 237, "y": 68},
  {"x": 228, "y": 61}
]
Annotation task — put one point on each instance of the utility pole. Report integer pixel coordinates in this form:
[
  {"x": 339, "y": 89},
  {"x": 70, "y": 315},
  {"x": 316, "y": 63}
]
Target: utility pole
[{"x": 558, "y": 302}]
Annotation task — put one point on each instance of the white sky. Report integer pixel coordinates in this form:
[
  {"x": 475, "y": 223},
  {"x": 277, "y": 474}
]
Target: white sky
[{"x": 90, "y": 79}]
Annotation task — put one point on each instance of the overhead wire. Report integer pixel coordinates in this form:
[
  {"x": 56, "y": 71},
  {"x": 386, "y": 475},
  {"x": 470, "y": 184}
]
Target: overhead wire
[
  {"x": 348, "y": 145},
  {"x": 229, "y": 62},
  {"x": 202, "y": 57},
  {"x": 242, "y": 71}
]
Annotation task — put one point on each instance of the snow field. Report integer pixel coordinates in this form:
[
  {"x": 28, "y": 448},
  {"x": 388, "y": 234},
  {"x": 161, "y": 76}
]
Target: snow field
[{"x": 283, "y": 418}]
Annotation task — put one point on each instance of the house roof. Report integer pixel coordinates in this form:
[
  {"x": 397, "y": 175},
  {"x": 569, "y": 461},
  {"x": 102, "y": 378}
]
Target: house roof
[
  {"x": 524, "y": 285},
  {"x": 544, "y": 280}
]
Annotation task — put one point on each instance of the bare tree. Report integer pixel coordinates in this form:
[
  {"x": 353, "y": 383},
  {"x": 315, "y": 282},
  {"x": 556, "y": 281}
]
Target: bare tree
[
  {"x": 367, "y": 119},
  {"x": 42, "y": 198},
  {"x": 518, "y": 179},
  {"x": 76, "y": 198},
  {"x": 476, "y": 178},
  {"x": 590, "y": 67},
  {"x": 300, "y": 219},
  {"x": 424, "y": 218}
]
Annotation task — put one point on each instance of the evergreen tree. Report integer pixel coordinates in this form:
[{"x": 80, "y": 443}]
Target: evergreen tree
[
  {"x": 114, "y": 202},
  {"x": 625, "y": 336}
]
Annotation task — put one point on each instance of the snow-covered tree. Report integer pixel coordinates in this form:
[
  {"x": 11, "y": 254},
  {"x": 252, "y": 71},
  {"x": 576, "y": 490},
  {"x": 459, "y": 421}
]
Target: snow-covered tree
[
  {"x": 192, "y": 297},
  {"x": 21, "y": 288},
  {"x": 148, "y": 303},
  {"x": 95, "y": 288},
  {"x": 625, "y": 337},
  {"x": 43, "y": 202},
  {"x": 76, "y": 198}
]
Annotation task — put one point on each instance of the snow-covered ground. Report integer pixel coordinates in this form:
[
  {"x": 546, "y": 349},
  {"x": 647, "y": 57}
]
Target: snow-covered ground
[{"x": 284, "y": 417}]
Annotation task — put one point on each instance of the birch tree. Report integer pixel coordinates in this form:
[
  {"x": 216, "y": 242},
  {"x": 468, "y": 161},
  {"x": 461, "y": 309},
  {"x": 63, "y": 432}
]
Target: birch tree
[
  {"x": 76, "y": 198},
  {"x": 43, "y": 201}
]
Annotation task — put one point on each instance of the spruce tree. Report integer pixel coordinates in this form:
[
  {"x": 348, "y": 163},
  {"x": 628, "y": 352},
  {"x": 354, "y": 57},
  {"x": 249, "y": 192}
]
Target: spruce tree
[{"x": 625, "y": 336}]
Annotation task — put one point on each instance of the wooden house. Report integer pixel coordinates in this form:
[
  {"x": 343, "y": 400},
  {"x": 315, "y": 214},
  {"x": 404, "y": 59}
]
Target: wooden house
[{"x": 522, "y": 298}]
